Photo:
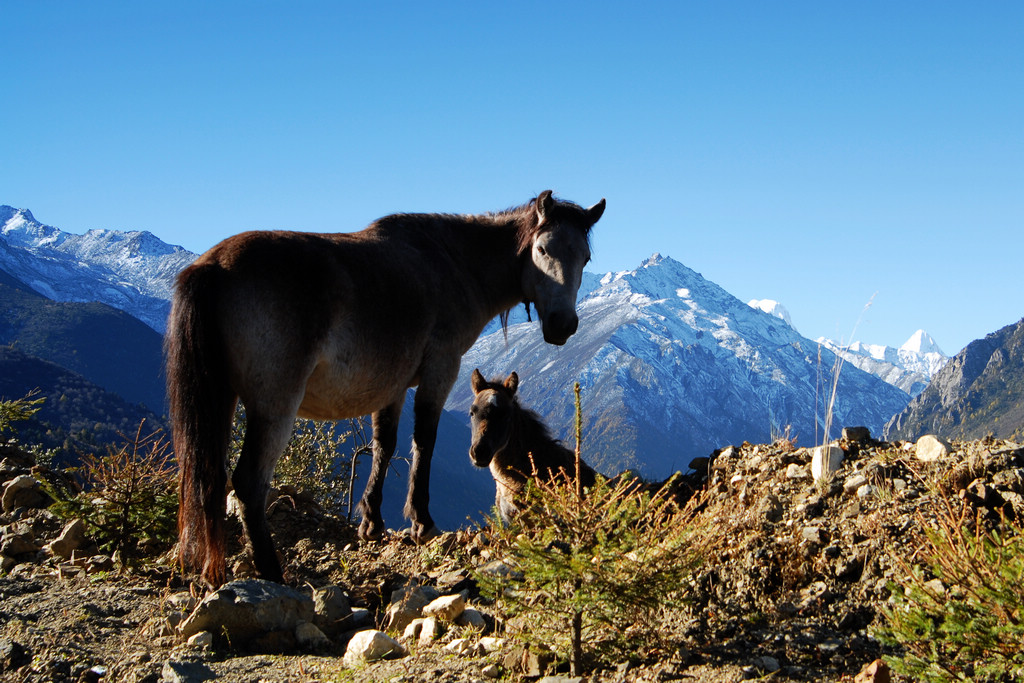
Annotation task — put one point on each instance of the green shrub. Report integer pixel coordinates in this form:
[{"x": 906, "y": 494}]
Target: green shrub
[
  {"x": 598, "y": 567},
  {"x": 129, "y": 499},
  {"x": 19, "y": 409},
  {"x": 966, "y": 623}
]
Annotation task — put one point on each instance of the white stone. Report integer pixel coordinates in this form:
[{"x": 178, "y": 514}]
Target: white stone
[
  {"x": 866, "y": 491},
  {"x": 930, "y": 448},
  {"x": 371, "y": 645},
  {"x": 430, "y": 630},
  {"x": 201, "y": 639},
  {"x": 854, "y": 482},
  {"x": 795, "y": 471},
  {"x": 491, "y": 644},
  {"x": 460, "y": 646},
  {"x": 448, "y": 607},
  {"x": 826, "y": 460},
  {"x": 413, "y": 629}
]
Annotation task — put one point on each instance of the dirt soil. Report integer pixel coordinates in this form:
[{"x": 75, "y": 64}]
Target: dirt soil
[{"x": 791, "y": 590}]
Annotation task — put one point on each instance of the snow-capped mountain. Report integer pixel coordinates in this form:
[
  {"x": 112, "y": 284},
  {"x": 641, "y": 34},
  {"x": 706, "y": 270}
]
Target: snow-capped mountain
[
  {"x": 131, "y": 271},
  {"x": 910, "y": 367},
  {"x": 772, "y": 307},
  {"x": 672, "y": 366}
]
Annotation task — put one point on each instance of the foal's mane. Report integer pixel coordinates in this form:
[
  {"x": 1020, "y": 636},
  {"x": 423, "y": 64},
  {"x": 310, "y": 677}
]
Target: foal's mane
[{"x": 531, "y": 435}]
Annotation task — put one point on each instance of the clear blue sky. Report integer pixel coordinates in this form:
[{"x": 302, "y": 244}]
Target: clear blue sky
[{"x": 815, "y": 152}]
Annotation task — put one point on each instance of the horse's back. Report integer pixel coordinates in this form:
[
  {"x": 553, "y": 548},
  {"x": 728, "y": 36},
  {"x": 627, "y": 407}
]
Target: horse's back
[{"x": 340, "y": 321}]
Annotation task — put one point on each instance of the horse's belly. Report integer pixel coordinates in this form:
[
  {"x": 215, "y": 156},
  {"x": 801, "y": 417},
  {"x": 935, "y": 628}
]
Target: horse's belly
[{"x": 335, "y": 395}]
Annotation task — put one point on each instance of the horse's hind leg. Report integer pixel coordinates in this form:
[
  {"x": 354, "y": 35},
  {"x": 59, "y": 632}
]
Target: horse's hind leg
[
  {"x": 385, "y": 438},
  {"x": 265, "y": 439}
]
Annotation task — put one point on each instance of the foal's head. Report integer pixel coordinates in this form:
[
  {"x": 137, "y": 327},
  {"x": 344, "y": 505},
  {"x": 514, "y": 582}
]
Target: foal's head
[
  {"x": 556, "y": 248},
  {"x": 491, "y": 415}
]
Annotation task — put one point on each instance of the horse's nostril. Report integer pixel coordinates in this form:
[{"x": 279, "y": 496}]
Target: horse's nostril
[{"x": 559, "y": 326}]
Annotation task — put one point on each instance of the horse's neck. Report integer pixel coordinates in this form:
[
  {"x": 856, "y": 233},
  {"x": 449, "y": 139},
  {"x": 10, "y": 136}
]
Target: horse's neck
[{"x": 489, "y": 253}]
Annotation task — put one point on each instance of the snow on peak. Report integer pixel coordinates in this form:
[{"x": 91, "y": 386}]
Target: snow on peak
[
  {"x": 921, "y": 342},
  {"x": 772, "y": 307},
  {"x": 133, "y": 271}
]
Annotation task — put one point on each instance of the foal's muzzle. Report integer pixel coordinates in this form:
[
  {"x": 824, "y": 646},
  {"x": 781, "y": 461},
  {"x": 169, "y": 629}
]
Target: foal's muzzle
[
  {"x": 559, "y": 326},
  {"x": 479, "y": 457}
]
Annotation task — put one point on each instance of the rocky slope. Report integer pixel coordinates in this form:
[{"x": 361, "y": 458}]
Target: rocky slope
[
  {"x": 791, "y": 586},
  {"x": 980, "y": 392}
]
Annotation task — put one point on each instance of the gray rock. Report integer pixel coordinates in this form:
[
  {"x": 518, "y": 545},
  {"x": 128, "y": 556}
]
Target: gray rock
[
  {"x": 856, "y": 434},
  {"x": 186, "y": 671},
  {"x": 246, "y": 609},
  {"x": 766, "y": 663},
  {"x": 310, "y": 638},
  {"x": 854, "y": 482},
  {"x": 12, "y": 655},
  {"x": 24, "y": 491},
  {"x": 406, "y": 605},
  {"x": 333, "y": 611},
  {"x": 797, "y": 471},
  {"x": 472, "y": 618},
  {"x": 18, "y": 539},
  {"x": 72, "y": 538}
]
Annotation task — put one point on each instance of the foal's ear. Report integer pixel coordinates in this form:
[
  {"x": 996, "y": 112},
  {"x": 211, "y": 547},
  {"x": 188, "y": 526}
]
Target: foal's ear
[
  {"x": 545, "y": 203},
  {"x": 478, "y": 382},
  {"x": 595, "y": 212},
  {"x": 512, "y": 383}
]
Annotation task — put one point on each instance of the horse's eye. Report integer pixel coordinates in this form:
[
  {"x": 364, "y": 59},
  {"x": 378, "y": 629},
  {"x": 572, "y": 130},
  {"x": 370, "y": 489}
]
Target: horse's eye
[
  {"x": 541, "y": 250},
  {"x": 473, "y": 410}
]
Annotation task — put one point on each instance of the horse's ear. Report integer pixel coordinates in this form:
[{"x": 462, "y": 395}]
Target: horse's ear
[
  {"x": 478, "y": 382},
  {"x": 595, "y": 212},
  {"x": 545, "y": 203},
  {"x": 512, "y": 383}
]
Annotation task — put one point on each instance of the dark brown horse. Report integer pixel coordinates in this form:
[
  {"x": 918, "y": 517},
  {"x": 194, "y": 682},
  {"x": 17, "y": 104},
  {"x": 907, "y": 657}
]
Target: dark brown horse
[
  {"x": 517, "y": 447},
  {"x": 331, "y": 326}
]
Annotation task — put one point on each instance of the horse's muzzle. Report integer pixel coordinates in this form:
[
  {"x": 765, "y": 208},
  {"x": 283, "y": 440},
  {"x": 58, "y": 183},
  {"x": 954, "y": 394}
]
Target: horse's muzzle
[{"x": 559, "y": 326}]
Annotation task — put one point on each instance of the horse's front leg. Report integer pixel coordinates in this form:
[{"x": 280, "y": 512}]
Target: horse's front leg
[
  {"x": 428, "y": 408},
  {"x": 385, "y": 438}
]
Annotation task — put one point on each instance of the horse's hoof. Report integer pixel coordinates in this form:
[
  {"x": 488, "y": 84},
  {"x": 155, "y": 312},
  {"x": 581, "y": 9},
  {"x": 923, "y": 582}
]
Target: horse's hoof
[
  {"x": 370, "y": 533},
  {"x": 427, "y": 536}
]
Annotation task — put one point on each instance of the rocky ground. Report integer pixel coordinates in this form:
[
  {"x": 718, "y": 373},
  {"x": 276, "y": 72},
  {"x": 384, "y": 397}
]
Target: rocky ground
[{"x": 790, "y": 589}]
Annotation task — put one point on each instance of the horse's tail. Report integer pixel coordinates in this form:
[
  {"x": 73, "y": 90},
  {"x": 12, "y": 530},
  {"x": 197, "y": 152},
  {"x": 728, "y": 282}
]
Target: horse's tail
[{"x": 201, "y": 408}]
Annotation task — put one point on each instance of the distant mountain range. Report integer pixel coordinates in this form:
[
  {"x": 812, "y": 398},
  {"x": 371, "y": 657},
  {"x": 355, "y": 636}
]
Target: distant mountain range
[
  {"x": 978, "y": 393},
  {"x": 131, "y": 271},
  {"x": 910, "y": 367},
  {"x": 671, "y": 365}
]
